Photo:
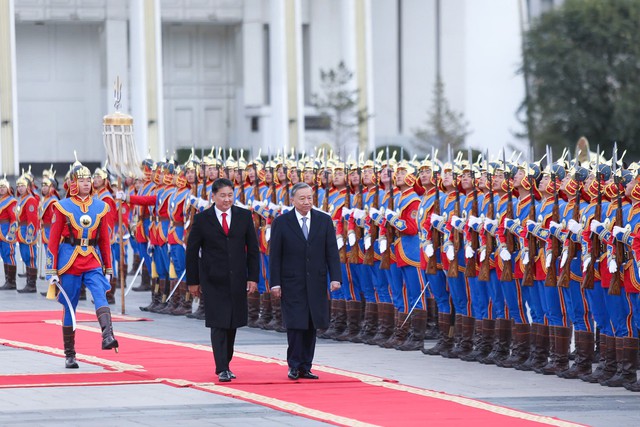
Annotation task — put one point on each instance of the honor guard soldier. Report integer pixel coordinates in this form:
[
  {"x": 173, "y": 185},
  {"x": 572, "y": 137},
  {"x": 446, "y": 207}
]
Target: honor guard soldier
[
  {"x": 29, "y": 224},
  {"x": 103, "y": 192},
  {"x": 8, "y": 230},
  {"x": 80, "y": 252},
  {"x": 142, "y": 223}
]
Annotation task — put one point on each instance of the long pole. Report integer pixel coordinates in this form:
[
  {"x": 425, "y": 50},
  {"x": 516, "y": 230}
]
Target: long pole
[{"x": 121, "y": 276}]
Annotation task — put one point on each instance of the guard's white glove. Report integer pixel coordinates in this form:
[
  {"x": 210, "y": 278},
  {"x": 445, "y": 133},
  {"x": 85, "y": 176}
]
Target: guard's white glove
[
  {"x": 390, "y": 213},
  {"x": 428, "y": 250},
  {"x": 285, "y": 209},
  {"x": 150, "y": 249},
  {"x": 490, "y": 222},
  {"x": 574, "y": 226},
  {"x": 483, "y": 254},
  {"x": 474, "y": 220},
  {"x": 595, "y": 224},
  {"x": 382, "y": 244},
  {"x": 556, "y": 225},
  {"x": 340, "y": 242},
  {"x": 619, "y": 232},
  {"x": 585, "y": 263},
  {"x": 565, "y": 255},
  {"x": 531, "y": 223},
  {"x": 613, "y": 266},
  {"x": 547, "y": 260},
  {"x": 505, "y": 255},
  {"x": 346, "y": 213},
  {"x": 121, "y": 195},
  {"x": 436, "y": 217},
  {"x": 359, "y": 213},
  {"x": 202, "y": 203},
  {"x": 468, "y": 252},
  {"x": 54, "y": 279},
  {"x": 273, "y": 207},
  {"x": 108, "y": 277},
  {"x": 448, "y": 251},
  {"x": 267, "y": 234},
  {"x": 351, "y": 237},
  {"x": 239, "y": 204},
  {"x": 524, "y": 257},
  {"x": 367, "y": 242},
  {"x": 255, "y": 204}
]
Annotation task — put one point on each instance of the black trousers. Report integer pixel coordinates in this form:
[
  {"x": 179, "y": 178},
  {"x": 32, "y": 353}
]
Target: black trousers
[
  {"x": 222, "y": 341},
  {"x": 302, "y": 347}
]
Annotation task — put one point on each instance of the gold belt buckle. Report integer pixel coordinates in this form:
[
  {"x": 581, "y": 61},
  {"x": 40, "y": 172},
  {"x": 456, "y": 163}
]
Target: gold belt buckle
[{"x": 84, "y": 242}]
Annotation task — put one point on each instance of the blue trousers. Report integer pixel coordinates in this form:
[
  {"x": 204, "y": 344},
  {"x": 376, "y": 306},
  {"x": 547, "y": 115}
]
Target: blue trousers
[
  {"x": 532, "y": 297},
  {"x": 380, "y": 282},
  {"x": 414, "y": 282},
  {"x": 515, "y": 303},
  {"x": 620, "y": 309},
  {"x": 29, "y": 254},
  {"x": 497, "y": 296},
  {"x": 598, "y": 307},
  {"x": 263, "y": 280},
  {"x": 460, "y": 294},
  {"x": 177, "y": 254},
  {"x": 94, "y": 280},
  {"x": 577, "y": 307},
  {"x": 161, "y": 259},
  {"x": 438, "y": 286},
  {"x": 368, "y": 282},
  {"x": 394, "y": 277},
  {"x": 351, "y": 278},
  {"x": 480, "y": 302},
  {"x": 8, "y": 252}
]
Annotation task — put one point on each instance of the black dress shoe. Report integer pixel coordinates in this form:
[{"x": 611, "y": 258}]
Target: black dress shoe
[
  {"x": 308, "y": 375},
  {"x": 232, "y": 375},
  {"x": 293, "y": 374},
  {"x": 224, "y": 377}
]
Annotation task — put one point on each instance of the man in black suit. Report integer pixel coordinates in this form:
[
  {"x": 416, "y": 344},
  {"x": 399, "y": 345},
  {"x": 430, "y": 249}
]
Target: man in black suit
[
  {"x": 223, "y": 264},
  {"x": 303, "y": 251}
]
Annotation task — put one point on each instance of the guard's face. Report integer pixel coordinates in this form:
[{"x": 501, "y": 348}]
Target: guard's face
[
  {"x": 294, "y": 178},
  {"x": 190, "y": 175},
  {"x": 224, "y": 198},
  {"x": 84, "y": 186},
  {"x": 400, "y": 176},
  {"x": 308, "y": 177},
  {"x": 98, "y": 181},
  {"x": 3, "y": 191},
  {"x": 303, "y": 200},
  {"x": 338, "y": 177},
  {"x": 21, "y": 189},
  {"x": 45, "y": 189},
  {"x": 517, "y": 180}
]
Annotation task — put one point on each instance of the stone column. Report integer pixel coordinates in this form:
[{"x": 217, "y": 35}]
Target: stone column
[{"x": 8, "y": 90}]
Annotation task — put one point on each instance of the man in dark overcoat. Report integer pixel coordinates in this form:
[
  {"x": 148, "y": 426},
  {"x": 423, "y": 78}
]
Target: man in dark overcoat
[
  {"x": 303, "y": 255},
  {"x": 223, "y": 264}
]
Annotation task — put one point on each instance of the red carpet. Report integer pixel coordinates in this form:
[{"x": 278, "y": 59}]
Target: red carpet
[
  {"x": 41, "y": 316},
  {"x": 339, "y": 397}
]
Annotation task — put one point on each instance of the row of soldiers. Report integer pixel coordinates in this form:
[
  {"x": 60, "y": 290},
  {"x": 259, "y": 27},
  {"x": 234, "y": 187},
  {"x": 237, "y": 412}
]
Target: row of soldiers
[{"x": 502, "y": 262}]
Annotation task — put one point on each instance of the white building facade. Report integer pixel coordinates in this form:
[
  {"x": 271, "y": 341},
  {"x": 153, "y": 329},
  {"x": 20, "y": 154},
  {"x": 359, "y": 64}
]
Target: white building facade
[{"x": 241, "y": 73}]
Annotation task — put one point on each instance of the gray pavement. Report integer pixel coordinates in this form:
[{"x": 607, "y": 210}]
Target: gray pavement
[{"x": 157, "y": 404}]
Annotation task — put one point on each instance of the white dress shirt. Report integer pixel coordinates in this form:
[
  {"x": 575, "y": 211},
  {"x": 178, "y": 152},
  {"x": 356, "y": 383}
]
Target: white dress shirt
[{"x": 219, "y": 215}]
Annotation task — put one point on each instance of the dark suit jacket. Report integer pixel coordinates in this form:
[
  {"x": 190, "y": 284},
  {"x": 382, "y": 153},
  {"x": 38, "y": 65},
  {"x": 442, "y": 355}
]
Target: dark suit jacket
[
  {"x": 301, "y": 267},
  {"x": 222, "y": 265}
]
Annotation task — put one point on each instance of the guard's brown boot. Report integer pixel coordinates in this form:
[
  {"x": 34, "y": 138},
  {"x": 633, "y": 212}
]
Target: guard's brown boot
[
  {"x": 599, "y": 372},
  {"x": 627, "y": 359},
  {"x": 186, "y": 303},
  {"x": 560, "y": 362},
  {"x": 266, "y": 314},
  {"x": 172, "y": 303},
  {"x": 111, "y": 293},
  {"x": 145, "y": 281},
  {"x": 9, "y": 278},
  {"x": 521, "y": 333},
  {"x": 433, "y": 331},
  {"x": 500, "y": 350},
  {"x": 445, "y": 342},
  {"x": 32, "y": 275},
  {"x": 276, "y": 320},
  {"x": 582, "y": 364},
  {"x": 369, "y": 324},
  {"x": 253, "y": 308},
  {"x": 385, "y": 324},
  {"x": 539, "y": 350},
  {"x": 104, "y": 319},
  {"x": 199, "y": 314},
  {"x": 135, "y": 265},
  {"x": 465, "y": 343},
  {"x": 164, "y": 294},
  {"x": 155, "y": 297},
  {"x": 400, "y": 332},
  {"x": 69, "y": 340},
  {"x": 338, "y": 321},
  {"x": 481, "y": 347},
  {"x": 415, "y": 340},
  {"x": 354, "y": 314},
  {"x": 552, "y": 354}
]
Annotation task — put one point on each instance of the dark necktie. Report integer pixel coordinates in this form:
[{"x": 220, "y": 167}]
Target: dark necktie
[
  {"x": 305, "y": 230},
  {"x": 225, "y": 226}
]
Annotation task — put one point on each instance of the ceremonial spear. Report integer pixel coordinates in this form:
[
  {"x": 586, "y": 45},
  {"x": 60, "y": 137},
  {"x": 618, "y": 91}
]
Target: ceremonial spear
[{"x": 122, "y": 157}]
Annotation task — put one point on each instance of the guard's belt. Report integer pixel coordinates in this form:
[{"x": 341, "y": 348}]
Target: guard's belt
[{"x": 80, "y": 242}]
